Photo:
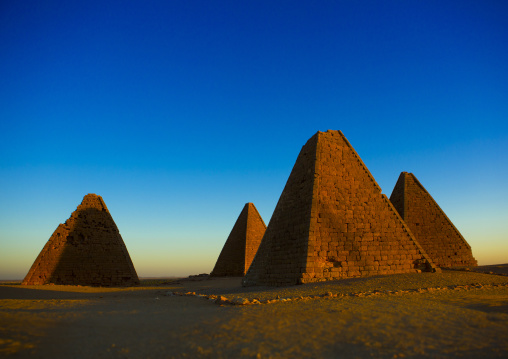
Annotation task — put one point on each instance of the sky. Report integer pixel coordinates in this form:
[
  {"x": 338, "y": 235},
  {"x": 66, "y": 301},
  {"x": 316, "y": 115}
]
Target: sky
[{"x": 179, "y": 112}]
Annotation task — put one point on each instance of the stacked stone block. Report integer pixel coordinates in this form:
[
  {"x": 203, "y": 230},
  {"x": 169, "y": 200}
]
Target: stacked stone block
[
  {"x": 86, "y": 250},
  {"x": 242, "y": 244},
  {"x": 432, "y": 228},
  {"x": 333, "y": 222}
]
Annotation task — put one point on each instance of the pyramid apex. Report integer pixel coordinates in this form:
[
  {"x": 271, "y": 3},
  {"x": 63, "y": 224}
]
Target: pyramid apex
[
  {"x": 92, "y": 200},
  {"x": 403, "y": 175},
  {"x": 328, "y": 133},
  {"x": 249, "y": 205},
  {"x": 91, "y": 196},
  {"x": 333, "y": 131}
]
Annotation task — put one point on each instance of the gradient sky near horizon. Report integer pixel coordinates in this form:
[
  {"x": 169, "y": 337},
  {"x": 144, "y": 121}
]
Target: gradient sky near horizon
[{"x": 179, "y": 112}]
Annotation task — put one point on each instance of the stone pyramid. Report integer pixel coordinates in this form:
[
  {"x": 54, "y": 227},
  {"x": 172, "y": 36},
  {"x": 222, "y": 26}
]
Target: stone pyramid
[
  {"x": 242, "y": 244},
  {"x": 333, "y": 222},
  {"x": 429, "y": 224},
  {"x": 86, "y": 250}
]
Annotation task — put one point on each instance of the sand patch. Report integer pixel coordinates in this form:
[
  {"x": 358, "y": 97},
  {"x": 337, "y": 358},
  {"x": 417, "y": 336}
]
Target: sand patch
[
  {"x": 462, "y": 316},
  {"x": 422, "y": 325},
  {"x": 23, "y": 323}
]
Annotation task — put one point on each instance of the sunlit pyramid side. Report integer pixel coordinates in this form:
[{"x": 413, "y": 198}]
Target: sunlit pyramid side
[
  {"x": 242, "y": 244},
  {"x": 333, "y": 222},
  {"x": 86, "y": 250},
  {"x": 435, "y": 232}
]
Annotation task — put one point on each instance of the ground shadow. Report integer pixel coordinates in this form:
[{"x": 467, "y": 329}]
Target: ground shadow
[{"x": 8, "y": 292}]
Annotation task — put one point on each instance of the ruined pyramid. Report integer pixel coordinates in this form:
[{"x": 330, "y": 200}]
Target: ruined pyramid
[
  {"x": 332, "y": 222},
  {"x": 242, "y": 244},
  {"x": 86, "y": 250},
  {"x": 429, "y": 224}
]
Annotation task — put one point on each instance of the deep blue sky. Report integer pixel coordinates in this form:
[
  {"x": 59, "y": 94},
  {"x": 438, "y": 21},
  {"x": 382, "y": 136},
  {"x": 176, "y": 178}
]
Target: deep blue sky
[{"x": 178, "y": 113}]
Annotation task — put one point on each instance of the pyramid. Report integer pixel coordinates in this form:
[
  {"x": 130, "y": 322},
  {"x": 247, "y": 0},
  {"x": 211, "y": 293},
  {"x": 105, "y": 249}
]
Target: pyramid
[
  {"x": 333, "y": 222},
  {"x": 242, "y": 244},
  {"x": 86, "y": 250},
  {"x": 440, "y": 239}
]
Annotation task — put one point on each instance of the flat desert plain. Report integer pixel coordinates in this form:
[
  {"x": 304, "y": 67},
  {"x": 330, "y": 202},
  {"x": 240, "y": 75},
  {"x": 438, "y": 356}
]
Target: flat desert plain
[{"x": 437, "y": 315}]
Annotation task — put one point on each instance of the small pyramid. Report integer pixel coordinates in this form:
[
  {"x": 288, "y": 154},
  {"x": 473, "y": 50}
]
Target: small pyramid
[
  {"x": 333, "y": 222},
  {"x": 242, "y": 244},
  {"x": 440, "y": 239},
  {"x": 86, "y": 250}
]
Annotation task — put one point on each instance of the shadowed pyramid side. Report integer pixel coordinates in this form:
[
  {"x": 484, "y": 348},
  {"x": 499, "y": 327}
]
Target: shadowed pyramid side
[
  {"x": 332, "y": 222},
  {"x": 429, "y": 224},
  {"x": 86, "y": 250},
  {"x": 281, "y": 257},
  {"x": 241, "y": 244}
]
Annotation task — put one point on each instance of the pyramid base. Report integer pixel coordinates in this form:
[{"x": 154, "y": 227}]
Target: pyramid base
[
  {"x": 332, "y": 276},
  {"x": 306, "y": 278},
  {"x": 101, "y": 283},
  {"x": 227, "y": 274}
]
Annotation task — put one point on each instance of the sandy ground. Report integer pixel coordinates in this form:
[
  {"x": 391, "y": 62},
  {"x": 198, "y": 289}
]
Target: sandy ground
[{"x": 449, "y": 314}]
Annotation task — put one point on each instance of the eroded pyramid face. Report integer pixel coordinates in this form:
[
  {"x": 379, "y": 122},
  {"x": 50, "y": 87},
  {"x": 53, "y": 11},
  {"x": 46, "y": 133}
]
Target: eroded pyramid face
[
  {"x": 435, "y": 232},
  {"x": 86, "y": 250},
  {"x": 332, "y": 222}
]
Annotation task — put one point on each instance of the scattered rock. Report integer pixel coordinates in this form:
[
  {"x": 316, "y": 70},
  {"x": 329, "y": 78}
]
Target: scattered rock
[
  {"x": 222, "y": 300},
  {"x": 240, "y": 301}
]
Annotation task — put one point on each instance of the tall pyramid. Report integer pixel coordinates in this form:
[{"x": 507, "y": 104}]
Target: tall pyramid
[
  {"x": 429, "y": 224},
  {"x": 333, "y": 222},
  {"x": 242, "y": 244},
  {"x": 86, "y": 250}
]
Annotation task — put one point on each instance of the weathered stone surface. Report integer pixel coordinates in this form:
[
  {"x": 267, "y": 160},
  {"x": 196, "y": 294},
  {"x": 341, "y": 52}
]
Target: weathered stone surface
[
  {"x": 242, "y": 244},
  {"x": 440, "y": 239},
  {"x": 86, "y": 250},
  {"x": 332, "y": 222}
]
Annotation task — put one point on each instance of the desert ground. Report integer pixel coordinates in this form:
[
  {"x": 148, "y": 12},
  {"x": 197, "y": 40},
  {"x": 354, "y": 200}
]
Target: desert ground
[{"x": 438, "y": 315}]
